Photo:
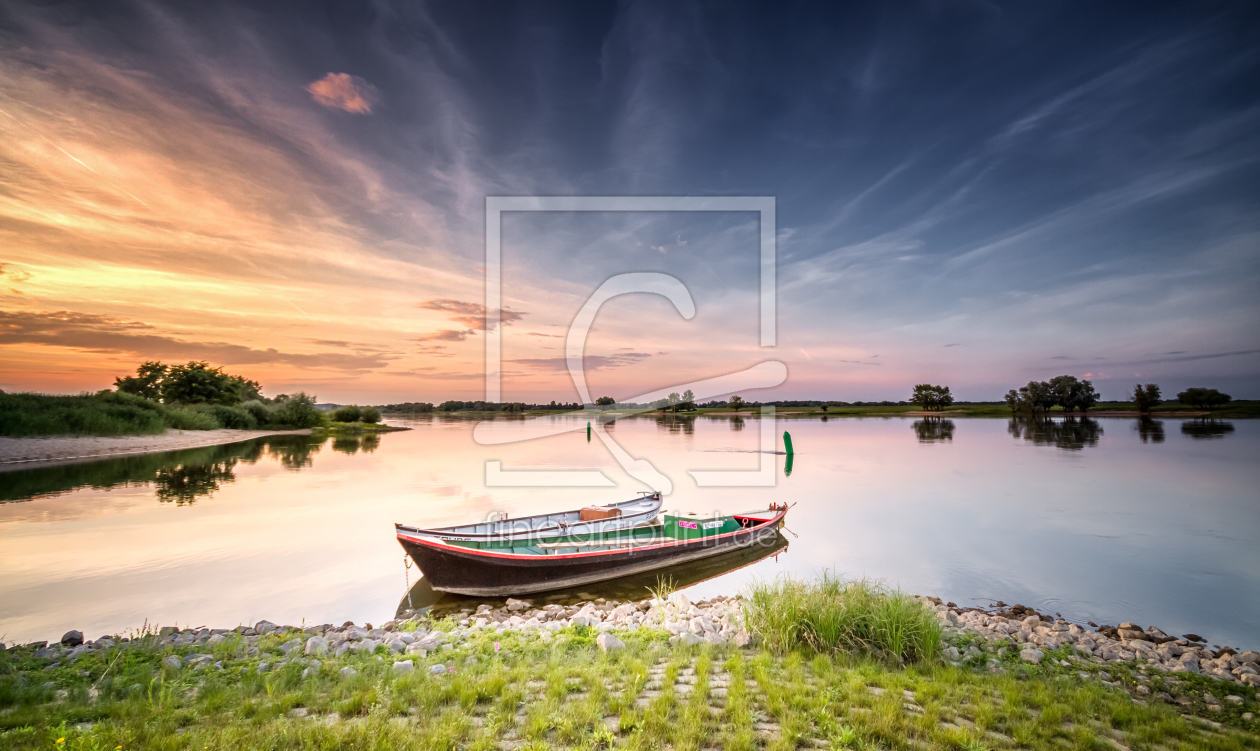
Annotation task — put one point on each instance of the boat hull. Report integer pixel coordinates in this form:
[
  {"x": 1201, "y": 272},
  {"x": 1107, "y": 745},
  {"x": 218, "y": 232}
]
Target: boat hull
[{"x": 482, "y": 573}]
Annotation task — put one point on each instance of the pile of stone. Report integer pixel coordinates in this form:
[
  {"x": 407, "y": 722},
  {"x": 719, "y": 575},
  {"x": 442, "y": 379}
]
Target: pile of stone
[{"x": 1032, "y": 632}]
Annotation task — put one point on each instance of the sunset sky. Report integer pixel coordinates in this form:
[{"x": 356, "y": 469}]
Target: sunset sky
[{"x": 968, "y": 193}]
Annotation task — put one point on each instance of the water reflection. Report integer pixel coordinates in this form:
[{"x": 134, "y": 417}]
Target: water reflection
[
  {"x": 1069, "y": 433},
  {"x": 934, "y": 430},
  {"x": 178, "y": 477},
  {"x": 422, "y": 597},
  {"x": 353, "y": 444},
  {"x": 1150, "y": 431},
  {"x": 685, "y": 424},
  {"x": 1206, "y": 427},
  {"x": 737, "y": 423}
]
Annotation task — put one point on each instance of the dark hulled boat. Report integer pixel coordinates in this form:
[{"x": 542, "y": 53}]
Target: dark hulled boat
[{"x": 490, "y": 569}]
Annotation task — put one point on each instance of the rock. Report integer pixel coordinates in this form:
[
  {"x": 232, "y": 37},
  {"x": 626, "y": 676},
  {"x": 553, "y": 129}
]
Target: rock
[
  {"x": 397, "y": 645},
  {"x": 1128, "y": 634},
  {"x": 173, "y": 662},
  {"x": 438, "y": 669},
  {"x": 44, "y": 653},
  {"x": 1193, "y": 637},
  {"x": 291, "y": 645},
  {"x": 416, "y": 649},
  {"x": 951, "y": 654},
  {"x": 1249, "y": 657},
  {"x": 687, "y": 637},
  {"x": 298, "y": 712},
  {"x": 264, "y": 667},
  {"x": 72, "y": 638},
  {"x": 347, "y": 672},
  {"x": 742, "y": 639},
  {"x": 609, "y": 643},
  {"x": 1032, "y": 655},
  {"x": 310, "y": 672},
  {"x": 515, "y": 606},
  {"x": 1232, "y": 699},
  {"x": 406, "y": 666},
  {"x": 264, "y": 627},
  {"x": 316, "y": 645},
  {"x": 216, "y": 639},
  {"x": 198, "y": 661}
]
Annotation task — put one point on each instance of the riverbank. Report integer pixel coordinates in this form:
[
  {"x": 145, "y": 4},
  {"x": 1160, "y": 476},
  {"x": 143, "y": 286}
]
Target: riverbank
[
  {"x": 50, "y": 451},
  {"x": 621, "y": 674}
]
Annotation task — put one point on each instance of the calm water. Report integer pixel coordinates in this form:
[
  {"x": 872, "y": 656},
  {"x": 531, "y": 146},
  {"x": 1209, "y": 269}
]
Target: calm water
[{"x": 1104, "y": 520}]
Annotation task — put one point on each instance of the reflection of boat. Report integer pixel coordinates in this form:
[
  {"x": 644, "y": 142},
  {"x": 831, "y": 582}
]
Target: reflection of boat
[
  {"x": 424, "y": 598},
  {"x": 544, "y": 565},
  {"x": 586, "y": 521}
]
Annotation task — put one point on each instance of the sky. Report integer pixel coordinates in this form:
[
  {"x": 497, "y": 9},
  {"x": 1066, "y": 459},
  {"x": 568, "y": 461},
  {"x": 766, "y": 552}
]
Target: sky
[{"x": 975, "y": 194}]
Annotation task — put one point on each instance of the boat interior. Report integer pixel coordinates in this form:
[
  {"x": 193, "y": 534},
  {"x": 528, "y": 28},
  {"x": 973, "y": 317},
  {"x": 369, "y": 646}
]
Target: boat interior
[{"x": 605, "y": 515}]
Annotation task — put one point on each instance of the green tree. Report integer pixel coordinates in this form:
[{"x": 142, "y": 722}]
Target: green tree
[
  {"x": 348, "y": 413},
  {"x": 604, "y": 402},
  {"x": 1203, "y": 398},
  {"x": 147, "y": 381},
  {"x": 198, "y": 383},
  {"x": 931, "y": 397},
  {"x": 370, "y": 415},
  {"x": 688, "y": 396},
  {"x": 1145, "y": 397},
  {"x": 297, "y": 410},
  {"x": 1037, "y": 395},
  {"x": 736, "y": 402},
  {"x": 1072, "y": 394}
]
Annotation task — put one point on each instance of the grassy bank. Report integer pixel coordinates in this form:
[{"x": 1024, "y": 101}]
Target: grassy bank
[
  {"x": 536, "y": 689},
  {"x": 113, "y": 413}
]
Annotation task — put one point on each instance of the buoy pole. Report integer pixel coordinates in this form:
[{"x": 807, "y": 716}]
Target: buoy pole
[
  {"x": 588, "y": 432},
  {"x": 787, "y": 442}
]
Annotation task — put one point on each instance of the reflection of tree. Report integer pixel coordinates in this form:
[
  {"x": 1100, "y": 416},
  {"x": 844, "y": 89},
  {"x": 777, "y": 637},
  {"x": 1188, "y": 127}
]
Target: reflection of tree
[
  {"x": 676, "y": 423},
  {"x": 1149, "y": 430},
  {"x": 346, "y": 444},
  {"x": 294, "y": 451},
  {"x": 737, "y": 423},
  {"x": 183, "y": 483},
  {"x": 1071, "y": 433},
  {"x": 934, "y": 429},
  {"x": 1206, "y": 427},
  {"x": 353, "y": 444}
]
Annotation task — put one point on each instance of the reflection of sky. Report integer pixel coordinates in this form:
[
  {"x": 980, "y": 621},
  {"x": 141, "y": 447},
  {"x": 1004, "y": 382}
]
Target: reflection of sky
[{"x": 1155, "y": 533}]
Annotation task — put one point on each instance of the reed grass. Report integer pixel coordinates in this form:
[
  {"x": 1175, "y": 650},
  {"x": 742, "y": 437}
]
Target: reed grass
[{"x": 832, "y": 614}]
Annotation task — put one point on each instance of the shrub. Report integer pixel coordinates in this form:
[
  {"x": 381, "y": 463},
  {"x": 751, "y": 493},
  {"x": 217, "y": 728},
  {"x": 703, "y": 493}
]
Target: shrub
[
  {"x": 185, "y": 418},
  {"x": 834, "y": 615},
  {"x": 259, "y": 411},
  {"x": 370, "y": 414},
  {"x": 297, "y": 411},
  {"x": 234, "y": 417},
  {"x": 350, "y": 413},
  {"x": 104, "y": 413}
]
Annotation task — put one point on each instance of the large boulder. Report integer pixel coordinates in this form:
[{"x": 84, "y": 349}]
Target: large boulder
[
  {"x": 72, "y": 638},
  {"x": 405, "y": 666},
  {"x": 1032, "y": 655},
  {"x": 265, "y": 627},
  {"x": 609, "y": 643},
  {"x": 316, "y": 645}
]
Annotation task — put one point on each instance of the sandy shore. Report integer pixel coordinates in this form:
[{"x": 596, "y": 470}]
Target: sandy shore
[{"x": 22, "y": 453}]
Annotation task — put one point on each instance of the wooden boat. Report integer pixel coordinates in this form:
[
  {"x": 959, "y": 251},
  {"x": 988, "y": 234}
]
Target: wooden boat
[
  {"x": 496, "y": 569},
  {"x": 422, "y": 598},
  {"x": 583, "y": 521}
]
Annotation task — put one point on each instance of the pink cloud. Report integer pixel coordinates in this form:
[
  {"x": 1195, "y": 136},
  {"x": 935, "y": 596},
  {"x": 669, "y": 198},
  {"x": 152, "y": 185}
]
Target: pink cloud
[{"x": 344, "y": 92}]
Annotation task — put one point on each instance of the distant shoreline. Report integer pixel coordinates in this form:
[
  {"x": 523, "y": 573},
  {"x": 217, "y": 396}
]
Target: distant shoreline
[{"x": 52, "y": 451}]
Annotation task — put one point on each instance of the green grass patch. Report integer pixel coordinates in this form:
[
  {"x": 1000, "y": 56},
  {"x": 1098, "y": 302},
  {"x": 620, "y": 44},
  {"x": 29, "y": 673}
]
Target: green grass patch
[{"x": 832, "y": 614}]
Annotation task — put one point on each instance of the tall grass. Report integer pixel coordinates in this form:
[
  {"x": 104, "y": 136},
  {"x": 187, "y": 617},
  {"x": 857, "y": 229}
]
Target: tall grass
[{"x": 835, "y": 615}]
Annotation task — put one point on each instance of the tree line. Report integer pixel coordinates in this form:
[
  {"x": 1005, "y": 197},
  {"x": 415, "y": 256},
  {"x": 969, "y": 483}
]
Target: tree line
[{"x": 212, "y": 395}]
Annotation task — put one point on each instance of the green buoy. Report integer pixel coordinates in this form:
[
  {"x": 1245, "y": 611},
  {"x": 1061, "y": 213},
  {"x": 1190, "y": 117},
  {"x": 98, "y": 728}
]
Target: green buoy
[
  {"x": 588, "y": 432},
  {"x": 787, "y": 444}
]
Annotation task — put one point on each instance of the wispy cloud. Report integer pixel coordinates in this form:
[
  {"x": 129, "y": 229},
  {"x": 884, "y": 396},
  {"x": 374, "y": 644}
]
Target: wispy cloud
[{"x": 344, "y": 92}]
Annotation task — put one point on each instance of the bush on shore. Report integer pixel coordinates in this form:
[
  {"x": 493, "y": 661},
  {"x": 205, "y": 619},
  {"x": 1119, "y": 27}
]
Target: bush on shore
[
  {"x": 835, "y": 615},
  {"x": 116, "y": 413}
]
